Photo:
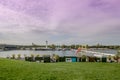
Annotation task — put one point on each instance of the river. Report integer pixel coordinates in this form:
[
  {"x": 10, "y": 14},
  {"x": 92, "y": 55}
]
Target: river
[{"x": 5, "y": 54}]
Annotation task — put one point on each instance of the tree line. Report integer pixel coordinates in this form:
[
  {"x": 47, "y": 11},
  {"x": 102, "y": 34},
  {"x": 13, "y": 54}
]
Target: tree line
[{"x": 73, "y": 46}]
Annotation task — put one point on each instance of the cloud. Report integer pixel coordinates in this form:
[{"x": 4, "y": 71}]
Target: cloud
[{"x": 73, "y": 21}]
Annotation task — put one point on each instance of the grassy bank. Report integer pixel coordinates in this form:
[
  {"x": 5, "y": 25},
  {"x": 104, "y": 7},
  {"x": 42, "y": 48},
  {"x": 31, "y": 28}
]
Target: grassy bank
[{"x": 21, "y": 70}]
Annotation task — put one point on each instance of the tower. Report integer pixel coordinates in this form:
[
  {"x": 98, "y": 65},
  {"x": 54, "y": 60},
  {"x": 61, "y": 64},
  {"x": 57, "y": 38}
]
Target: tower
[{"x": 46, "y": 44}]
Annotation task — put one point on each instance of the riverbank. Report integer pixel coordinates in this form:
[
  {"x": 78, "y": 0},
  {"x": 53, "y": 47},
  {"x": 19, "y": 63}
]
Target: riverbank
[{"x": 21, "y": 70}]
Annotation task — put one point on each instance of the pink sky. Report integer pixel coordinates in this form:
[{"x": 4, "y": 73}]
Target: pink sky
[{"x": 60, "y": 21}]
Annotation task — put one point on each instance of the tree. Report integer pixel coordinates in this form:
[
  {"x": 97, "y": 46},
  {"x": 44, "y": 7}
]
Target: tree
[
  {"x": 98, "y": 45},
  {"x": 117, "y": 57},
  {"x": 118, "y": 53},
  {"x": 77, "y": 46},
  {"x": 63, "y": 46},
  {"x": 13, "y": 56},
  {"x": 83, "y": 58},
  {"x": 53, "y": 46},
  {"x": 73, "y": 46},
  {"x": 19, "y": 56},
  {"x": 55, "y": 57},
  {"x": 87, "y": 46},
  {"x": 37, "y": 55},
  {"x": 32, "y": 55}
]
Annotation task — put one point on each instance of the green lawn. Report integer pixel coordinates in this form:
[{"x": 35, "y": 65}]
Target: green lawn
[{"x": 21, "y": 70}]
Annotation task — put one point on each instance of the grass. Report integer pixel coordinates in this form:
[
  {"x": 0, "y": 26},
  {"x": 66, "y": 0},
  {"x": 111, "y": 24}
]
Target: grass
[{"x": 21, "y": 70}]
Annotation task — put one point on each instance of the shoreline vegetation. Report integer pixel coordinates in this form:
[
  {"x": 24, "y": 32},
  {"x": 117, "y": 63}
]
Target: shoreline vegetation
[
  {"x": 22, "y": 70},
  {"x": 6, "y": 47},
  {"x": 79, "y": 57}
]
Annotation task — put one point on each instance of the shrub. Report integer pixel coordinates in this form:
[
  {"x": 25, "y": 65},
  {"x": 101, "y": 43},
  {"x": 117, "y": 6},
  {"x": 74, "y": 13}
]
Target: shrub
[
  {"x": 19, "y": 56},
  {"x": 91, "y": 59},
  {"x": 83, "y": 58},
  {"x": 38, "y": 58},
  {"x": 37, "y": 55},
  {"x": 62, "y": 59},
  {"x": 104, "y": 59},
  {"x": 13, "y": 56},
  {"x": 46, "y": 58},
  {"x": 32, "y": 55},
  {"x": 55, "y": 57}
]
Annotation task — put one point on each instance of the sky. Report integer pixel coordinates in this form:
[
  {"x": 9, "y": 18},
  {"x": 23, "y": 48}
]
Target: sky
[{"x": 60, "y": 22}]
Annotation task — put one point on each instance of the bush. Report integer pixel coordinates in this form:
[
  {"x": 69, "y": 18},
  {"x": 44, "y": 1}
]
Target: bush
[
  {"x": 19, "y": 56},
  {"x": 104, "y": 59},
  {"x": 83, "y": 58},
  {"x": 55, "y": 57},
  {"x": 79, "y": 59},
  {"x": 46, "y": 58},
  {"x": 91, "y": 59},
  {"x": 38, "y": 58},
  {"x": 97, "y": 59},
  {"x": 29, "y": 59},
  {"x": 13, "y": 56},
  {"x": 62, "y": 59}
]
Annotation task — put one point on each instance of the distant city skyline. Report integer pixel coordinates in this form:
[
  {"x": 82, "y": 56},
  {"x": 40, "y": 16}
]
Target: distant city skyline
[{"x": 60, "y": 22}]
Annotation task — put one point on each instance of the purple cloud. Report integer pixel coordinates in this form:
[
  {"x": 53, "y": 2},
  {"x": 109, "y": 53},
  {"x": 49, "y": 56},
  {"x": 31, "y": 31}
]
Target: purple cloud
[{"x": 81, "y": 21}]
